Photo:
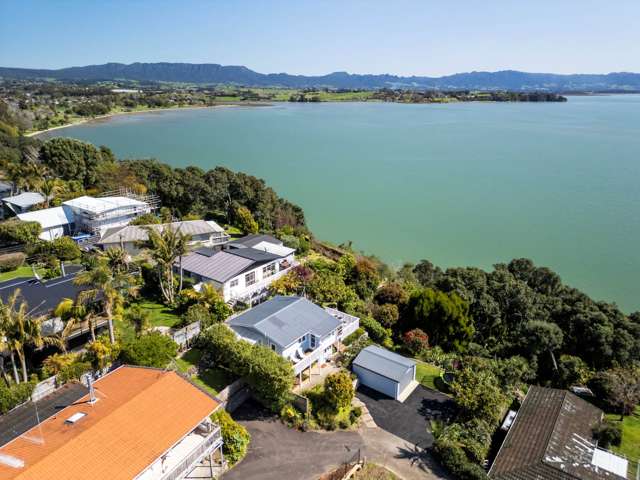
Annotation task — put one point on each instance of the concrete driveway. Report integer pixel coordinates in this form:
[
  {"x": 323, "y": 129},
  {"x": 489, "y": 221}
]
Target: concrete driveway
[
  {"x": 408, "y": 420},
  {"x": 277, "y": 452}
]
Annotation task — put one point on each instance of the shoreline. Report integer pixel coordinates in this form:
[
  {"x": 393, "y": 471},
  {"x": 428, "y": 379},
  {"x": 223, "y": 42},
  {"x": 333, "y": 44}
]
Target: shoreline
[{"x": 107, "y": 116}]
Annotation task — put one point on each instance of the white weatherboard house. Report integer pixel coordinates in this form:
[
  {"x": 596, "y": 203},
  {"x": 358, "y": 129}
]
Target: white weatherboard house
[
  {"x": 203, "y": 233},
  {"x": 55, "y": 222},
  {"x": 296, "y": 328},
  {"x": 88, "y": 215},
  {"x": 385, "y": 372},
  {"x": 240, "y": 273}
]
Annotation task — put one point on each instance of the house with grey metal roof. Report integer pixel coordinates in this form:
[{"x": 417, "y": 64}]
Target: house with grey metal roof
[
  {"x": 202, "y": 233},
  {"x": 250, "y": 241},
  {"x": 240, "y": 274},
  {"x": 295, "y": 328},
  {"x": 385, "y": 371},
  {"x": 552, "y": 438},
  {"x": 22, "y": 202},
  {"x": 54, "y": 222}
]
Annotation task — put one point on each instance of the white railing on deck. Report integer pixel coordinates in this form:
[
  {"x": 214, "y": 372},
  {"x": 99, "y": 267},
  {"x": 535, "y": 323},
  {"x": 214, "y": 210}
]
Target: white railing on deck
[{"x": 211, "y": 442}]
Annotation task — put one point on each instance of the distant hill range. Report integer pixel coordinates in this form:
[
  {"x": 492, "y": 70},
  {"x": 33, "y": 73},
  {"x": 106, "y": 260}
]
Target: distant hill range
[{"x": 210, "y": 73}]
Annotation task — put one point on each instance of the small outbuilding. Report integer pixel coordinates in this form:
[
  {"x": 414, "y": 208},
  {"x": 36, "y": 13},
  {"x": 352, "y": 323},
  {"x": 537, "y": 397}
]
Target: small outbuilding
[{"x": 385, "y": 372}]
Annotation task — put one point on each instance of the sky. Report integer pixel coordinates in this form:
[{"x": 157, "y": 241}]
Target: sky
[{"x": 404, "y": 37}]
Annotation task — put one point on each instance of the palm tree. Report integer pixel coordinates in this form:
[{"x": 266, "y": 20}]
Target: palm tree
[
  {"x": 109, "y": 286},
  {"x": 76, "y": 312},
  {"x": 166, "y": 247},
  {"x": 22, "y": 330},
  {"x": 49, "y": 188},
  {"x": 117, "y": 259},
  {"x": 207, "y": 296}
]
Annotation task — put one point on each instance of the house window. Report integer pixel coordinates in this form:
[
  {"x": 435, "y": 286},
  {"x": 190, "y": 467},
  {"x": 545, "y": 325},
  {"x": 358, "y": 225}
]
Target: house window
[
  {"x": 250, "y": 278},
  {"x": 301, "y": 339},
  {"x": 313, "y": 341},
  {"x": 273, "y": 347},
  {"x": 234, "y": 283},
  {"x": 269, "y": 270}
]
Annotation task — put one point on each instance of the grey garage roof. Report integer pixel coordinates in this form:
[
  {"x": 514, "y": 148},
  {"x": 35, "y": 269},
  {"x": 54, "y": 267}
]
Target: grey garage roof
[
  {"x": 383, "y": 362},
  {"x": 285, "y": 319}
]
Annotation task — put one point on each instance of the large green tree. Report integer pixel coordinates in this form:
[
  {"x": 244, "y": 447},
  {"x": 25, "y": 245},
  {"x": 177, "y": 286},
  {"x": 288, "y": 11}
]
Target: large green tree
[{"x": 444, "y": 317}]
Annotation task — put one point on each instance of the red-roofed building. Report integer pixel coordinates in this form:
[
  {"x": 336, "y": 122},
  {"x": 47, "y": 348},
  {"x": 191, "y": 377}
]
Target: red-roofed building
[{"x": 144, "y": 424}]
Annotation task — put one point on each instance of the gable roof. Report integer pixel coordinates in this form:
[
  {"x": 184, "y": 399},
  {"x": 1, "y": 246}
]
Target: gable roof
[
  {"x": 139, "y": 233},
  {"x": 253, "y": 239},
  {"x": 42, "y": 297},
  {"x": 220, "y": 267},
  {"x": 49, "y": 217},
  {"x": 383, "y": 362},
  {"x": 223, "y": 265},
  {"x": 141, "y": 413},
  {"x": 25, "y": 199},
  {"x": 551, "y": 438},
  {"x": 283, "y": 320}
]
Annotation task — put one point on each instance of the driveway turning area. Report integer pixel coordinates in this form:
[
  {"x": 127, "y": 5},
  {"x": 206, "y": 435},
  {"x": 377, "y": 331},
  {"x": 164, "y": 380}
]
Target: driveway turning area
[{"x": 408, "y": 420}]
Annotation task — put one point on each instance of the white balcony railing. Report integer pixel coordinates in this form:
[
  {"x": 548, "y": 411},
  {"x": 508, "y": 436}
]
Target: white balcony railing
[
  {"x": 257, "y": 289},
  {"x": 195, "y": 456}
]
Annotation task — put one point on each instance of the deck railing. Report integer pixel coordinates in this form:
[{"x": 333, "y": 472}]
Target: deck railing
[{"x": 211, "y": 442}]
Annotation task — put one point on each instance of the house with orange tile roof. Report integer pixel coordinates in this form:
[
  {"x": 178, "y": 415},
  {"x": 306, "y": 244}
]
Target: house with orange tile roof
[{"x": 135, "y": 423}]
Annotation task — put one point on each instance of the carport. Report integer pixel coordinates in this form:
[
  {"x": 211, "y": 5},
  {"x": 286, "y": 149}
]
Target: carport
[{"x": 385, "y": 372}]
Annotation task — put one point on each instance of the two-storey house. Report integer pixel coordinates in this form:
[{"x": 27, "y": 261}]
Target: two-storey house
[{"x": 295, "y": 328}]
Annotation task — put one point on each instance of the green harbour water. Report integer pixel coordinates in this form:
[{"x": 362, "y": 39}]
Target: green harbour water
[{"x": 458, "y": 184}]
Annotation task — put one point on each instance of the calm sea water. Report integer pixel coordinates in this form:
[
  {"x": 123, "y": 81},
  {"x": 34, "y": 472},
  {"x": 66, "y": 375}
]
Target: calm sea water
[{"x": 463, "y": 184}]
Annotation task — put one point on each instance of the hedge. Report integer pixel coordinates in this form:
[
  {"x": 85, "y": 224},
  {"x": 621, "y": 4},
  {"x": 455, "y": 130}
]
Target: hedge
[
  {"x": 11, "y": 261},
  {"x": 268, "y": 374}
]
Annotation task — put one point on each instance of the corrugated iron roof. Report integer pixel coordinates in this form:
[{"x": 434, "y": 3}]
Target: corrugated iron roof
[
  {"x": 139, "y": 233},
  {"x": 49, "y": 217},
  {"x": 283, "y": 320},
  {"x": 383, "y": 362}
]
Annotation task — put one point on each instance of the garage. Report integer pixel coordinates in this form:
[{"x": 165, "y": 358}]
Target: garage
[{"x": 385, "y": 372}]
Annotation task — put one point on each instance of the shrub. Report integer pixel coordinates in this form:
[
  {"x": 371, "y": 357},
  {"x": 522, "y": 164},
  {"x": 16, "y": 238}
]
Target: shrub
[
  {"x": 17, "y": 231},
  {"x": 386, "y": 314},
  {"x": 235, "y": 437},
  {"x": 354, "y": 336},
  {"x": 292, "y": 417},
  {"x": 145, "y": 219},
  {"x": 338, "y": 390},
  {"x": 14, "y": 395},
  {"x": 53, "y": 364},
  {"x": 73, "y": 371},
  {"x": 376, "y": 332},
  {"x": 11, "y": 261},
  {"x": 64, "y": 248},
  {"x": 608, "y": 433},
  {"x": 416, "y": 341},
  {"x": 269, "y": 375},
  {"x": 355, "y": 414},
  {"x": 197, "y": 313},
  {"x": 152, "y": 349},
  {"x": 101, "y": 352},
  {"x": 453, "y": 458}
]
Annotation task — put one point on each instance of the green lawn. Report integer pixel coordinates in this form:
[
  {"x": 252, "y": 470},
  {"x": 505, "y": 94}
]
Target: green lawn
[
  {"x": 630, "y": 446},
  {"x": 212, "y": 380},
  {"x": 159, "y": 314},
  {"x": 24, "y": 271},
  {"x": 426, "y": 374}
]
